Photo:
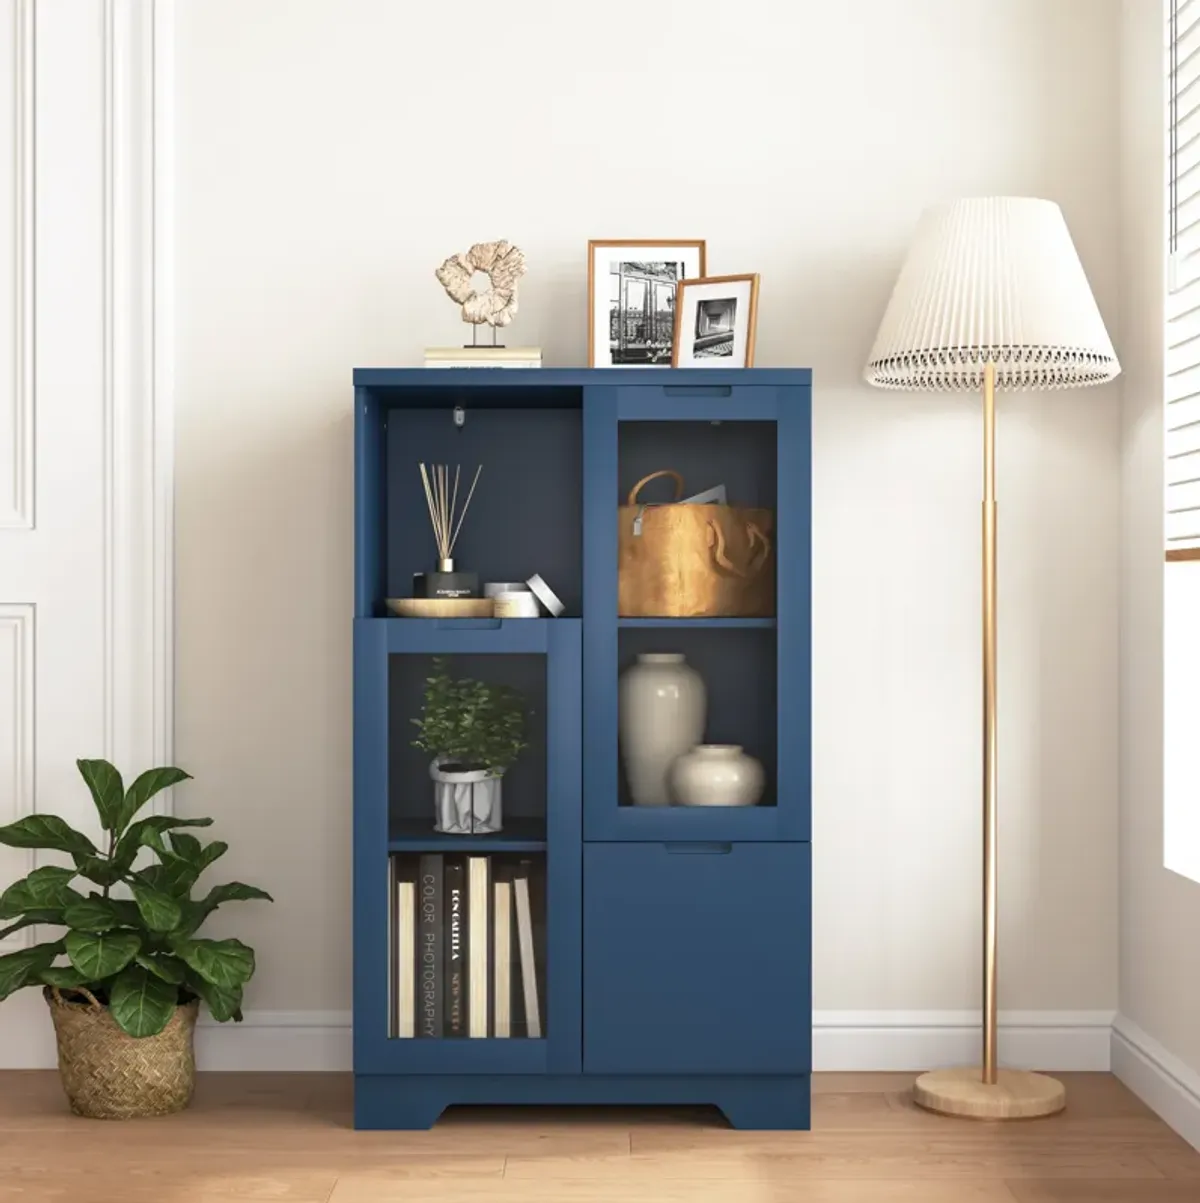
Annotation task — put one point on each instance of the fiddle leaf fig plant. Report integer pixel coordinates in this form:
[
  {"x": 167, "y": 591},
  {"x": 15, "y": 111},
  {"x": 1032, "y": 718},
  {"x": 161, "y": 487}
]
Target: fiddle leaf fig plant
[{"x": 130, "y": 942}]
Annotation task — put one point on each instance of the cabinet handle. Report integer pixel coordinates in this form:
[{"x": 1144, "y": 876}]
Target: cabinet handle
[
  {"x": 693, "y": 848},
  {"x": 697, "y": 390}
]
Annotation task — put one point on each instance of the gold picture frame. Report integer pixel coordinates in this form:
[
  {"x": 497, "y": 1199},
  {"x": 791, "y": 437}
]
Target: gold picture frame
[
  {"x": 706, "y": 350},
  {"x": 655, "y": 346}
]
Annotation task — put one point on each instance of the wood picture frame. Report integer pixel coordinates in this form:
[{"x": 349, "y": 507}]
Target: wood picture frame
[
  {"x": 639, "y": 341},
  {"x": 730, "y": 345}
]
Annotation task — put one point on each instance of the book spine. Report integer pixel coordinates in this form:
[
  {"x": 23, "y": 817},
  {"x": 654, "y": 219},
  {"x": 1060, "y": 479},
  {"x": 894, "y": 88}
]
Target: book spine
[
  {"x": 456, "y": 947},
  {"x": 521, "y": 896},
  {"x": 502, "y": 956},
  {"x": 431, "y": 970},
  {"x": 406, "y": 956},
  {"x": 393, "y": 907},
  {"x": 478, "y": 994}
]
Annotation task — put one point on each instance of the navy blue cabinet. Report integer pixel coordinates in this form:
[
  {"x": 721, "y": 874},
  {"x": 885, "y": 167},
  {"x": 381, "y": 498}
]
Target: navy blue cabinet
[{"x": 672, "y": 944}]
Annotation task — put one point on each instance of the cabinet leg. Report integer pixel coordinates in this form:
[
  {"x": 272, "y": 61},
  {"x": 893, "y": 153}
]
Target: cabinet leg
[
  {"x": 387, "y": 1109},
  {"x": 765, "y": 1105}
]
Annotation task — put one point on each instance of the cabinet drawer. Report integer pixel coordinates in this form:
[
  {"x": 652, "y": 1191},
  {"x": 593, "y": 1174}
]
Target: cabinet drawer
[{"x": 697, "y": 958}]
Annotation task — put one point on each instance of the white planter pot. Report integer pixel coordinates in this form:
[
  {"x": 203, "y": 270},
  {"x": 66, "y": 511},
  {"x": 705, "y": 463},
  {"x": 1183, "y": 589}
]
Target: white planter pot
[
  {"x": 716, "y": 775},
  {"x": 466, "y": 803},
  {"x": 662, "y": 710}
]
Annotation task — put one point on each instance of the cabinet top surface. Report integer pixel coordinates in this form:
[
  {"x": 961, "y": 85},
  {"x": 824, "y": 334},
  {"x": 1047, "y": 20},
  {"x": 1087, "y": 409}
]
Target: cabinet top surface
[{"x": 578, "y": 377}]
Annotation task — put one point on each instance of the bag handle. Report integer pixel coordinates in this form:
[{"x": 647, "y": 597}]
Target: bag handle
[
  {"x": 637, "y": 488},
  {"x": 93, "y": 1002},
  {"x": 760, "y": 548}
]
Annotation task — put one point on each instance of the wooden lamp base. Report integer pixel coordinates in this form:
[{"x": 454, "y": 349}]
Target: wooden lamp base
[{"x": 1015, "y": 1095}]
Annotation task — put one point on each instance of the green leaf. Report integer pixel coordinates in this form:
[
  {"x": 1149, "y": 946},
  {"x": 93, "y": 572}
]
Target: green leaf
[
  {"x": 65, "y": 977},
  {"x": 21, "y": 968},
  {"x": 160, "y": 911},
  {"x": 99, "y": 870},
  {"x": 173, "y": 877},
  {"x": 92, "y": 914},
  {"x": 210, "y": 853},
  {"x": 30, "y": 918},
  {"x": 224, "y": 1002},
  {"x": 148, "y": 832},
  {"x": 98, "y": 955},
  {"x": 108, "y": 790},
  {"x": 234, "y": 891},
  {"x": 142, "y": 1003},
  {"x": 146, "y": 786},
  {"x": 187, "y": 847},
  {"x": 194, "y": 913},
  {"x": 46, "y": 831},
  {"x": 46, "y": 888},
  {"x": 169, "y": 968},
  {"x": 176, "y": 875},
  {"x": 224, "y": 963}
]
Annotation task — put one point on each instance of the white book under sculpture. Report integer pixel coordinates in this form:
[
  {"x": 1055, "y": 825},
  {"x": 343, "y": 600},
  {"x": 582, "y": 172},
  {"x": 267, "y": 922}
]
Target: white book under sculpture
[
  {"x": 529, "y": 989},
  {"x": 483, "y": 357},
  {"x": 406, "y": 958},
  {"x": 477, "y": 946},
  {"x": 502, "y": 960}
]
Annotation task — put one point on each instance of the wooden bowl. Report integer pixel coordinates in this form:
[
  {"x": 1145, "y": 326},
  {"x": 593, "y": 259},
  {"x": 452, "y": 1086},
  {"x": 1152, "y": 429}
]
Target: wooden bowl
[{"x": 441, "y": 607}]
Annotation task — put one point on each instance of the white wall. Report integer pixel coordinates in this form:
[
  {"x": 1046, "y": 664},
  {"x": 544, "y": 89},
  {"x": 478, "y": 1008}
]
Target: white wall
[
  {"x": 332, "y": 152},
  {"x": 1160, "y": 910}
]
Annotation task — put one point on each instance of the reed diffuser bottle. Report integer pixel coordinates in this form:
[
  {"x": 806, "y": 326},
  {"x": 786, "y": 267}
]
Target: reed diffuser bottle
[{"x": 441, "y": 495}]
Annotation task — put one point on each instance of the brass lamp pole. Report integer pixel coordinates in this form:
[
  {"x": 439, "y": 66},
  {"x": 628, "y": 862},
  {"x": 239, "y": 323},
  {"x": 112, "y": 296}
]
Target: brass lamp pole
[
  {"x": 990, "y": 775},
  {"x": 992, "y": 294}
]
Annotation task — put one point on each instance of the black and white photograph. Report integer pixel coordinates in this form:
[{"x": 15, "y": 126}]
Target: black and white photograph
[
  {"x": 713, "y": 334},
  {"x": 631, "y": 303},
  {"x": 715, "y": 322}
]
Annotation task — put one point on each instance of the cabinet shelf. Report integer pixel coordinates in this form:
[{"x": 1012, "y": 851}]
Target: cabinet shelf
[
  {"x": 417, "y": 835},
  {"x": 694, "y": 624}
]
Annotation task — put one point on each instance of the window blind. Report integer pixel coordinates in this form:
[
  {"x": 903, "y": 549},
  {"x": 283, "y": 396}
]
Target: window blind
[{"x": 1182, "y": 408}]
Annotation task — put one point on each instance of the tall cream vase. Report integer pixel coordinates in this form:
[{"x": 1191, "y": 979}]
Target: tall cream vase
[{"x": 663, "y": 704}]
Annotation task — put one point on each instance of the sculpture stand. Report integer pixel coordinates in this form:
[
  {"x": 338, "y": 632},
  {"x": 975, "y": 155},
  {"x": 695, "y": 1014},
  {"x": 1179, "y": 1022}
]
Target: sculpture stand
[{"x": 475, "y": 337}]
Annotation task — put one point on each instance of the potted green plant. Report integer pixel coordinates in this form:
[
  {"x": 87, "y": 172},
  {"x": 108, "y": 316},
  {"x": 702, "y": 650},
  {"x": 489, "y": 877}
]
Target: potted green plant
[
  {"x": 125, "y": 980},
  {"x": 474, "y": 731}
]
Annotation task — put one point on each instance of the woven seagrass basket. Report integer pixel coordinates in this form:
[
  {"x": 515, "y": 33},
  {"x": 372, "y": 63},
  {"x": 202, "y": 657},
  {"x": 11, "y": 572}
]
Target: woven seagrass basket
[{"x": 110, "y": 1075}]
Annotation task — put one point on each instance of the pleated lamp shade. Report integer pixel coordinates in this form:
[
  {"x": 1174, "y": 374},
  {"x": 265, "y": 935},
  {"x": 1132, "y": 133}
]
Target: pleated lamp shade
[{"x": 992, "y": 278}]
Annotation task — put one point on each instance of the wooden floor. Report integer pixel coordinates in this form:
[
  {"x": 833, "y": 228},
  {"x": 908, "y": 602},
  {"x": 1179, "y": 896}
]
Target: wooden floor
[{"x": 288, "y": 1137}]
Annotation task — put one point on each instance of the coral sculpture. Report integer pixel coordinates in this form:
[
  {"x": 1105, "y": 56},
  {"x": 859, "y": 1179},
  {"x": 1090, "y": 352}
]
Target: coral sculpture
[{"x": 503, "y": 264}]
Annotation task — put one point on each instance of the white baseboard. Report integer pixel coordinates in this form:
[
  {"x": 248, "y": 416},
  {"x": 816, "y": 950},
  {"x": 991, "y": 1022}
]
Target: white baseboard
[
  {"x": 311, "y": 1041},
  {"x": 917, "y": 1040},
  {"x": 1158, "y": 1077},
  {"x": 842, "y": 1040}
]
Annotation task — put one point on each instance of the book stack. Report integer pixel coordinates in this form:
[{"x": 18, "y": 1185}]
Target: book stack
[
  {"x": 483, "y": 357},
  {"x": 464, "y": 943}
]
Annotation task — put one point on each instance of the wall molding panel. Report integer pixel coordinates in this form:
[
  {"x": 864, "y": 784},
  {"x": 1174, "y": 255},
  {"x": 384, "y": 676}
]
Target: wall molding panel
[
  {"x": 17, "y": 404},
  {"x": 137, "y": 384},
  {"x": 18, "y": 730}
]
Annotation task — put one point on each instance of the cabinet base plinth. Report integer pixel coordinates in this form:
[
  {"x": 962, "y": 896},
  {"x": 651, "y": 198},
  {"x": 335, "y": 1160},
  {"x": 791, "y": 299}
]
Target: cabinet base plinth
[{"x": 406, "y": 1101}]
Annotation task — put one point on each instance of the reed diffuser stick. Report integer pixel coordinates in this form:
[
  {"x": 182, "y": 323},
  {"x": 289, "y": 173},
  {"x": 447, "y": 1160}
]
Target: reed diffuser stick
[
  {"x": 433, "y": 508},
  {"x": 441, "y": 496},
  {"x": 454, "y": 537}
]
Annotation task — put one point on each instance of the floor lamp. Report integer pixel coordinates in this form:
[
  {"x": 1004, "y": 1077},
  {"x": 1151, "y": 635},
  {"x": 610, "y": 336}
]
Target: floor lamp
[{"x": 991, "y": 296}]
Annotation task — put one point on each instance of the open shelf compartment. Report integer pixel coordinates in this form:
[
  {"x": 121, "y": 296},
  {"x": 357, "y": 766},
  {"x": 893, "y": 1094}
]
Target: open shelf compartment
[
  {"x": 520, "y": 794},
  {"x": 526, "y": 513},
  {"x": 467, "y": 946},
  {"x": 721, "y": 566},
  {"x": 737, "y": 669}
]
